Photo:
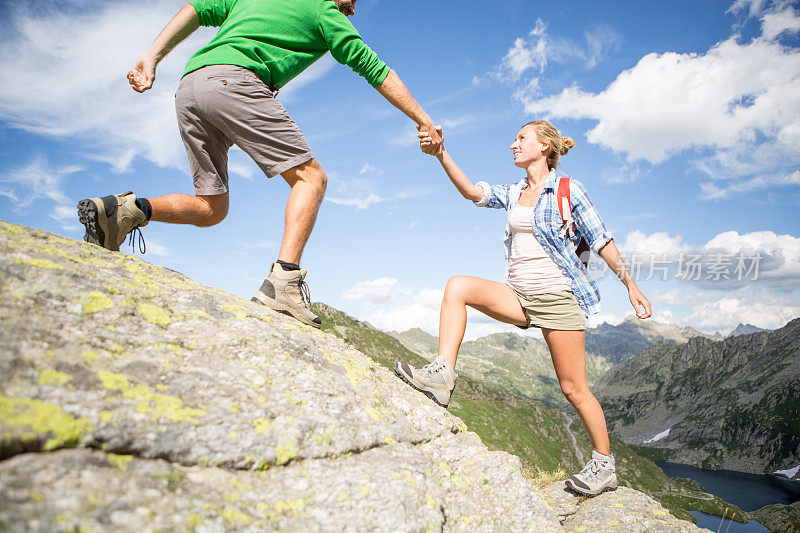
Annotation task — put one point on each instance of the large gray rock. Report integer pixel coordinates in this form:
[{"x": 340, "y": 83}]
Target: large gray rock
[
  {"x": 193, "y": 409},
  {"x": 623, "y": 510}
]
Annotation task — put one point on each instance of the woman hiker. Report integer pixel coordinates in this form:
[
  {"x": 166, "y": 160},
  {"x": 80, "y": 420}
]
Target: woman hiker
[{"x": 546, "y": 284}]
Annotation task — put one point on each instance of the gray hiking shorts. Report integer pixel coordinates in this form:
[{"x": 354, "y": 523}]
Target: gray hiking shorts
[{"x": 222, "y": 105}]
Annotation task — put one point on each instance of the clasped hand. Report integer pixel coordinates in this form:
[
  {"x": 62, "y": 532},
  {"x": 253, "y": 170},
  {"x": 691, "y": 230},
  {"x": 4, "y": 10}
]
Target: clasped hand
[{"x": 431, "y": 139}]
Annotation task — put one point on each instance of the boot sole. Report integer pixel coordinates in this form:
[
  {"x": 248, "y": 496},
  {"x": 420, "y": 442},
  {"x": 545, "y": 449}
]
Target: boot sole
[
  {"x": 261, "y": 298},
  {"x": 583, "y": 492},
  {"x": 90, "y": 216},
  {"x": 429, "y": 394}
]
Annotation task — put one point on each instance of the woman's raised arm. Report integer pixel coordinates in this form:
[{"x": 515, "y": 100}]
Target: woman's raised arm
[{"x": 468, "y": 190}]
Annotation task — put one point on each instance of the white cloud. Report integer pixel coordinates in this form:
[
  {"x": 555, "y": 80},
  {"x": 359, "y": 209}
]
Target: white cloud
[
  {"x": 79, "y": 64},
  {"x": 660, "y": 243},
  {"x": 599, "y": 42},
  {"x": 736, "y": 103},
  {"x": 724, "y": 313},
  {"x": 156, "y": 248},
  {"x": 370, "y": 169},
  {"x": 38, "y": 180},
  {"x": 600, "y": 318},
  {"x": 87, "y": 95},
  {"x": 727, "y": 261},
  {"x": 530, "y": 55},
  {"x": 395, "y": 307},
  {"x": 776, "y": 23},
  {"x": 527, "y": 54},
  {"x": 714, "y": 191},
  {"x": 371, "y": 292},
  {"x": 362, "y": 193},
  {"x": 359, "y": 202}
]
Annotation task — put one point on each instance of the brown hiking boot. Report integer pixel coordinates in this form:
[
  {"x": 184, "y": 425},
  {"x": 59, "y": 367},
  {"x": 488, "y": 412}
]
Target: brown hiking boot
[
  {"x": 110, "y": 219},
  {"x": 286, "y": 292}
]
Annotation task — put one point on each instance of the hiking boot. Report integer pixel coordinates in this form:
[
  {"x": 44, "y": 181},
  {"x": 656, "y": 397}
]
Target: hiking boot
[
  {"x": 598, "y": 475},
  {"x": 286, "y": 292},
  {"x": 110, "y": 219},
  {"x": 435, "y": 380}
]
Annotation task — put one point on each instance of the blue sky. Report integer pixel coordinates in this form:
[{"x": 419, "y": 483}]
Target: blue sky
[{"x": 686, "y": 117}]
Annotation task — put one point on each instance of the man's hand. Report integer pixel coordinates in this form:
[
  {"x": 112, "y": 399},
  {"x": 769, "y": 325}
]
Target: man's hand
[
  {"x": 143, "y": 74},
  {"x": 431, "y": 139}
]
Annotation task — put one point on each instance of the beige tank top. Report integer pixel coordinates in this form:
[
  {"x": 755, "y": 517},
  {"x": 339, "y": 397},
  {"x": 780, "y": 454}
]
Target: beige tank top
[{"x": 531, "y": 271}]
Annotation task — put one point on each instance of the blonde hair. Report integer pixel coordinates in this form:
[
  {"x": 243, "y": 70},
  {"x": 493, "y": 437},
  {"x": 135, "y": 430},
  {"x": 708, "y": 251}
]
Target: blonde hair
[{"x": 547, "y": 133}]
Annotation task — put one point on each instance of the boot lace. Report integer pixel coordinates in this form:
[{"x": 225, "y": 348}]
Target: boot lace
[
  {"x": 591, "y": 469},
  {"x": 132, "y": 241},
  {"x": 305, "y": 293}
]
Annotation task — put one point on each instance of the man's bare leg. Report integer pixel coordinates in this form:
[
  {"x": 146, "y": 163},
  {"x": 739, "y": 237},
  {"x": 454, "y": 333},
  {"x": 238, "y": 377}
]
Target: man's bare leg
[
  {"x": 284, "y": 289},
  {"x": 200, "y": 210},
  {"x": 308, "y": 182}
]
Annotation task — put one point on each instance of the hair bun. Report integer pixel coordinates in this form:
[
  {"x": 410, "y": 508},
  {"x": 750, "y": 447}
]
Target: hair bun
[{"x": 566, "y": 144}]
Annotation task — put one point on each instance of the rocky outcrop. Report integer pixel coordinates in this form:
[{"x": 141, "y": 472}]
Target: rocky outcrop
[
  {"x": 166, "y": 405},
  {"x": 731, "y": 404},
  {"x": 581, "y": 514},
  {"x": 780, "y": 518}
]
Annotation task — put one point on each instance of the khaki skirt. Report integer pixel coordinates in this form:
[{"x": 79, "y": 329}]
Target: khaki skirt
[{"x": 553, "y": 310}]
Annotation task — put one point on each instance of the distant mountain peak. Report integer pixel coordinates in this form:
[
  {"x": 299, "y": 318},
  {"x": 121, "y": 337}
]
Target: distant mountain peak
[{"x": 745, "y": 329}]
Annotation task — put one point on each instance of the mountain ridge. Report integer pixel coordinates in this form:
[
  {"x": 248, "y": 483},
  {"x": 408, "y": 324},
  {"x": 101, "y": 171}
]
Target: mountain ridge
[{"x": 728, "y": 404}]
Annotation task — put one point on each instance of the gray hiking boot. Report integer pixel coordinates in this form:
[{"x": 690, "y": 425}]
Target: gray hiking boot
[
  {"x": 435, "y": 380},
  {"x": 598, "y": 475},
  {"x": 110, "y": 219},
  {"x": 286, "y": 292}
]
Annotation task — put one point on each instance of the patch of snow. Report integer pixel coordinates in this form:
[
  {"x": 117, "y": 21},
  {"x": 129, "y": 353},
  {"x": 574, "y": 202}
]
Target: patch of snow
[
  {"x": 790, "y": 473},
  {"x": 662, "y": 435}
]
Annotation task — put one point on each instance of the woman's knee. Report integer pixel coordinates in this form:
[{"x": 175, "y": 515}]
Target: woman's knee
[
  {"x": 457, "y": 288},
  {"x": 575, "y": 392}
]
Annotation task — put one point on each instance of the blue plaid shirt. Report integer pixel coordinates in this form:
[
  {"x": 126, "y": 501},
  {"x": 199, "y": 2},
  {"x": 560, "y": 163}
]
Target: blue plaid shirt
[{"x": 547, "y": 228}]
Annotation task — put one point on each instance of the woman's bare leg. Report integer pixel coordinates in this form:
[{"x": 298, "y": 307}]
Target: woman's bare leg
[
  {"x": 491, "y": 298},
  {"x": 569, "y": 359}
]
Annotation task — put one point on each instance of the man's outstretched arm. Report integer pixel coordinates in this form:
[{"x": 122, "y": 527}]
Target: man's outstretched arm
[
  {"x": 395, "y": 91},
  {"x": 143, "y": 73}
]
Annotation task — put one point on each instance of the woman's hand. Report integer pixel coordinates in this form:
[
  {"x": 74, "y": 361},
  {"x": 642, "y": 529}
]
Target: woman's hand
[
  {"x": 425, "y": 140},
  {"x": 638, "y": 299}
]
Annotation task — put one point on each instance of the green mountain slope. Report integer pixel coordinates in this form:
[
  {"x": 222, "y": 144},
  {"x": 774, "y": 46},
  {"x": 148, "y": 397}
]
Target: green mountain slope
[
  {"x": 522, "y": 364},
  {"x": 730, "y": 404},
  {"x": 540, "y": 436}
]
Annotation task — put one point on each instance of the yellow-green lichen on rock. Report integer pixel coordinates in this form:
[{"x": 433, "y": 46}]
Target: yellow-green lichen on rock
[
  {"x": 41, "y": 263},
  {"x": 25, "y": 421},
  {"x": 154, "y": 314},
  {"x": 284, "y": 454},
  {"x": 239, "y": 312},
  {"x": 120, "y": 461},
  {"x": 262, "y": 426},
  {"x": 97, "y": 302},
  {"x": 48, "y": 376},
  {"x": 155, "y": 404}
]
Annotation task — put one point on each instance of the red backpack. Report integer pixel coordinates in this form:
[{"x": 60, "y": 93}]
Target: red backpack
[{"x": 565, "y": 208}]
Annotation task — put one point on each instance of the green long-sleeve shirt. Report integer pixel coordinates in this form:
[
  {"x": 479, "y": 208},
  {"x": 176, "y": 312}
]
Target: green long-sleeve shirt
[{"x": 279, "y": 39}]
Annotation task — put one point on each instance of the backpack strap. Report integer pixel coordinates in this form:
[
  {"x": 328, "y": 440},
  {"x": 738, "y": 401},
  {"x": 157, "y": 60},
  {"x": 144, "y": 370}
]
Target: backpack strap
[{"x": 564, "y": 201}]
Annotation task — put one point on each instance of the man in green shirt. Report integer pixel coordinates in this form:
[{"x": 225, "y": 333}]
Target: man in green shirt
[{"x": 228, "y": 96}]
